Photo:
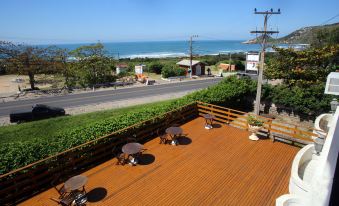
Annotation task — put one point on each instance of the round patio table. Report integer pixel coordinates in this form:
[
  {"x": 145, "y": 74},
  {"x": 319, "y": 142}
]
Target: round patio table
[
  {"x": 173, "y": 132},
  {"x": 132, "y": 148},
  {"x": 75, "y": 183},
  {"x": 208, "y": 120}
]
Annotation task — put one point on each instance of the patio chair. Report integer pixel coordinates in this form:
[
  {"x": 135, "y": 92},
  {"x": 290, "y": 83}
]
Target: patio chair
[
  {"x": 66, "y": 201},
  {"x": 162, "y": 136},
  {"x": 121, "y": 157},
  {"x": 61, "y": 190}
]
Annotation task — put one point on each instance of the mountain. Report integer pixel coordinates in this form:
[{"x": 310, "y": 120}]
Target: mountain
[{"x": 305, "y": 35}]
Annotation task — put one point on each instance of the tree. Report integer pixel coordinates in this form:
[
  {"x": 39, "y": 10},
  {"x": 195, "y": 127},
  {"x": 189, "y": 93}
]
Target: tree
[
  {"x": 94, "y": 70},
  {"x": 92, "y": 67},
  {"x": 303, "y": 68},
  {"x": 26, "y": 60},
  {"x": 64, "y": 65},
  {"x": 89, "y": 50}
]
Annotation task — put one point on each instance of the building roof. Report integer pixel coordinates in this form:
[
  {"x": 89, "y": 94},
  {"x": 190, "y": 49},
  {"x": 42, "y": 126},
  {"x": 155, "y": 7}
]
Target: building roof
[
  {"x": 122, "y": 65},
  {"x": 186, "y": 62}
]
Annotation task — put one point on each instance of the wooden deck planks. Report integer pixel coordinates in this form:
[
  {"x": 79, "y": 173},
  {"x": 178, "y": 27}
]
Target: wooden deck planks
[{"x": 218, "y": 167}]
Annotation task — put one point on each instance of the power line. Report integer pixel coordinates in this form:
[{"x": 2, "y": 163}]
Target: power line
[{"x": 329, "y": 19}]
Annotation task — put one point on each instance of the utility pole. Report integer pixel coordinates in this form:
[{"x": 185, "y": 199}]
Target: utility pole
[
  {"x": 191, "y": 53},
  {"x": 264, "y": 36},
  {"x": 230, "y": 61}
]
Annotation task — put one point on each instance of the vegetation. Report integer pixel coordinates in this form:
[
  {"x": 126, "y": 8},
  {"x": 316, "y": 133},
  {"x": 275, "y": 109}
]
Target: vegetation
[
  {"x": 26, "y": 60},
  {"x": 231, "y": 92},
  {"x": 94, "y": 70},
  {"x": 254, "y": 121},
  {"x": 303, "y": 68},
  {"x": 89, "y": 50},
  {"x": 304, "y": 75},
  {"x": 326, "y": 36},
  {"x": 309, "y": 100},
  {"x": 29, "y": 142},
  {"x": 155, "y": 67},
  {"x": 172, "y": 71}
]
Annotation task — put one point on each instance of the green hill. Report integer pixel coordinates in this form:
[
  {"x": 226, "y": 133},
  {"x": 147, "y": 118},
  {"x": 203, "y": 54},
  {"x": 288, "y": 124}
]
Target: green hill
[{"x": 306, "y": 35}]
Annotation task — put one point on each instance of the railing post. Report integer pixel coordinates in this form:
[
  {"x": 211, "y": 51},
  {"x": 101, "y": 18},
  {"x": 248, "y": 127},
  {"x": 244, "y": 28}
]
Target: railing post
[
  {"x": 228, "y": 116},
  {"x": 246, "y": 123},
  {"x": 269, "y": 130},
  {"x": 294, "y": 133}
]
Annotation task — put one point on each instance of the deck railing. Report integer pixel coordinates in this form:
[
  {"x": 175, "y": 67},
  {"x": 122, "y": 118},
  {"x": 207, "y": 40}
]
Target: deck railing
[
  {"x": 271, "y": 128},
  {"x": 22, "y": 183}
]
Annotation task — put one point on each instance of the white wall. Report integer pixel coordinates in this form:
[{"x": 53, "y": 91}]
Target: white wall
[{"x": 322, "y": 185}]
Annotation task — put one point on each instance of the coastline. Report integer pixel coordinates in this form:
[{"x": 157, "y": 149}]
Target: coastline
[{"x": 168, "y": 49}]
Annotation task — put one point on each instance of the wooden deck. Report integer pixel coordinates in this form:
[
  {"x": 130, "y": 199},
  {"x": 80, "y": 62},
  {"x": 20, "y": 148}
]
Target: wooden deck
[{"x": 211, "y": 167}]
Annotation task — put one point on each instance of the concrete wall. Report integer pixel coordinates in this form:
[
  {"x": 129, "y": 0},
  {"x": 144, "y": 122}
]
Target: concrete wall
[{"x": 287, "y": 115}]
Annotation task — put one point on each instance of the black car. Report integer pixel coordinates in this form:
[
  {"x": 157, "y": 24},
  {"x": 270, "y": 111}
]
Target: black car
[{"x": 38, "y": 111}]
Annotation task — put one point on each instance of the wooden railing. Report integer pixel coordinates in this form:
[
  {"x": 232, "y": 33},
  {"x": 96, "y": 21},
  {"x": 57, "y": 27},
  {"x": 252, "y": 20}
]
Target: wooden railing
[
  {"x": 22, "y": 183},
  {"x": 271, "y": 128}
]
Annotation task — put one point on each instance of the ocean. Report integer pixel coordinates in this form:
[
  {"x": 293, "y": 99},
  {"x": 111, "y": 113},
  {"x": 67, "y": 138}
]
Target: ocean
[{"x": 161, "y": 49}]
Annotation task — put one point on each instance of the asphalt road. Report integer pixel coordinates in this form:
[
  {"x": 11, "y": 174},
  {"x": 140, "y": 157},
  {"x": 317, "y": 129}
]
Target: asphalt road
[{"x": 75, "y": 100}]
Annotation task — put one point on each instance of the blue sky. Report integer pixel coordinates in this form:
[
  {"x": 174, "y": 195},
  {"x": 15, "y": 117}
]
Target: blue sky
[{"x": 80, "y": 21}]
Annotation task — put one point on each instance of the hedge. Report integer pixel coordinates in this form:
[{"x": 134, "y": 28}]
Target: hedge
[{"x": 19, "y": 154}]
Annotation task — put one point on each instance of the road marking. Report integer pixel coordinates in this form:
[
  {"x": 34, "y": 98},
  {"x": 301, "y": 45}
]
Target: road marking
[{"x": 105, "y": 95}]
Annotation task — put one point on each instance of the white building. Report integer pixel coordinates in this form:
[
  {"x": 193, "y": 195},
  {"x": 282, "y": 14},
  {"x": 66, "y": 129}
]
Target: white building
[
  {"x": 140, "y": 68},
  {"x": 122, "y": 67}
]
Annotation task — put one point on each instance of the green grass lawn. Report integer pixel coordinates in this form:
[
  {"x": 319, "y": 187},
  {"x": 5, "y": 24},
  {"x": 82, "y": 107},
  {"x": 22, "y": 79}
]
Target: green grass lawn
[{"x": 48, "y": 128}]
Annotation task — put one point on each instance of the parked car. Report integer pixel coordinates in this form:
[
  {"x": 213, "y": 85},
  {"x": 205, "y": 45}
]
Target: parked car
[{"x": 38, "y": 111}]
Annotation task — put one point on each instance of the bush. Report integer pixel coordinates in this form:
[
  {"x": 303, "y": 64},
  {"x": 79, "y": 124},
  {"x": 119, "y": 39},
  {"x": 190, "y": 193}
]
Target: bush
[
  {"x": 172, "y": 71},
  {"x": 155, "y": 67},
  {"x": 230, "y": 92},
  {"x": 254, "y": 121}
]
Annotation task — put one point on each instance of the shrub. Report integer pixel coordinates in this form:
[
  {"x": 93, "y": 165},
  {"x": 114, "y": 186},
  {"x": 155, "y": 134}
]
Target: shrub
[
  {"x": 172, "y": 71},
  {"x": 254, "y": 121},
  {"x": 156, "y": 67},
  {"x": 230, "y": 92}
]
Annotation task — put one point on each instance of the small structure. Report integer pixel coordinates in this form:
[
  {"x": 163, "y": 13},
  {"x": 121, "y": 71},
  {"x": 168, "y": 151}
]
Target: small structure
[
  {"x": 332, "y": 84},
  {"x": 140, "y": 68},
  {"x": 121, "y": 67},
  {"x": 227, "y": 67},
  {"x": 198, "y": 68},
  {"x": 252, "y": 62}
]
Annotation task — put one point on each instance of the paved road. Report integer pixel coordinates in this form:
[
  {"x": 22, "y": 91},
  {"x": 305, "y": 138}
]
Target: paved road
[{"x": 73, "y": 100}]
